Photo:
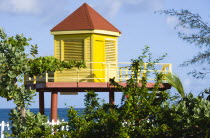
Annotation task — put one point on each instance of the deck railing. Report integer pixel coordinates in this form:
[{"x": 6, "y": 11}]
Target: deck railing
[{"x": 120, "y": 70}]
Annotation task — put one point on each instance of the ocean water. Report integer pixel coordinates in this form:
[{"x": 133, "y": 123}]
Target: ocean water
[{"x": 62, "y": 113}]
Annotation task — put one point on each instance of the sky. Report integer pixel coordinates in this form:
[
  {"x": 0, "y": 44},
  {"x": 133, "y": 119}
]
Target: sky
[{"x": 136, "y": 20}]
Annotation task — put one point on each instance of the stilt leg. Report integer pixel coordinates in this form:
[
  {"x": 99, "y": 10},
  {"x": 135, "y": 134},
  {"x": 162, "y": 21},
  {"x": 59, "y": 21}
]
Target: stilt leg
[
  {"x": 111, "y": 97},
  {"x": 54, "y": 106},
  {"x": 41, "y": 102}
]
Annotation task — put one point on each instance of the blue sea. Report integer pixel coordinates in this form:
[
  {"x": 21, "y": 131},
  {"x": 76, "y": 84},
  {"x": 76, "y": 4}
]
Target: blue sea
[{"x": 62, "y": 113}]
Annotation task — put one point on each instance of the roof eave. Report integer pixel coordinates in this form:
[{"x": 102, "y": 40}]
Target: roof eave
[{"x": 105, "y": 32}]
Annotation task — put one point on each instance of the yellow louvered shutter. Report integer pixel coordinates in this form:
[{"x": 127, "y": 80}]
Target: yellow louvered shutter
[
  {"x": 111, "y": 58},
  {"x": 74, "y": 50},
  {"x": 58, "y": 50},
  {"x": 110, "y": 48}
]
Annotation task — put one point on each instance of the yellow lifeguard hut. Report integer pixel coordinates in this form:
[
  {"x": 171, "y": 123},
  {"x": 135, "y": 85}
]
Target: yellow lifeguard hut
[{"x": 86, "y": 35}]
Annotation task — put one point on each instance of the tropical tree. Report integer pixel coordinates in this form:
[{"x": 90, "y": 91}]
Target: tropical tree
[
  {"x": 175, "y": 81},
  {"x": 198, "y": 34},
  {"x": 143, "y": 112},
  {"x": 15, "y": 63},
  {"x": 190, "y": 117},
  {"x": 135, "y": 117}
]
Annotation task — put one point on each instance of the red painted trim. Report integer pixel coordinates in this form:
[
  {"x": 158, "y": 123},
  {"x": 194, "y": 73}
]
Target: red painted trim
[
  {"x": 92, "y": 84},
  {"x": 95, "y": 85},
  {"x": 83, "y": 86}
]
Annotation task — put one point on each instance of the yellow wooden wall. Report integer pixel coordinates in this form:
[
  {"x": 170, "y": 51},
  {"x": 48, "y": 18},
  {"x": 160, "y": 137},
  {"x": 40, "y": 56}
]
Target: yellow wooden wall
[
  {"x": 67, "y": 75},
  {"x": 97, "y": 48},
  {"x": 104, "y": 50}
]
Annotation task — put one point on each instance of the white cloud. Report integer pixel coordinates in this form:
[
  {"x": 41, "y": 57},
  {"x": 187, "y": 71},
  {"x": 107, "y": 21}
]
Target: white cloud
[
  {"x": 20, "y": 6},
  {"x": 133, "y": 1},
  {"x": 171, "y": 21},
  {"x": 187, "y": 82},
  {"x": 156, "y": 4},
  {"x": 48, "y": 11},
  {"x": 112, "y": 7}
]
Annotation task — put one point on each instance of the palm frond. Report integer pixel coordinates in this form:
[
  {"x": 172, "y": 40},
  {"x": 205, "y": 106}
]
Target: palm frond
[{"x": 175, "y": 81}]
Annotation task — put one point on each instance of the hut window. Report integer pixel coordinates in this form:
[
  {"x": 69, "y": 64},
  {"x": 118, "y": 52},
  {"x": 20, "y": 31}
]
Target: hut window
[
  {"x": 74, "y": 49},
  {"x": 110, "y": 48},
  {"x": 58, "y": 49}
]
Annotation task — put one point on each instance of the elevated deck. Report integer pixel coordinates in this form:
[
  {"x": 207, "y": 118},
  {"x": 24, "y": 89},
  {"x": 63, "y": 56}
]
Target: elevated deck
[
  {"x": 93, "y": 78},
  {"x": 85, "y": 86},
  {"x": 80, "y": 80}
]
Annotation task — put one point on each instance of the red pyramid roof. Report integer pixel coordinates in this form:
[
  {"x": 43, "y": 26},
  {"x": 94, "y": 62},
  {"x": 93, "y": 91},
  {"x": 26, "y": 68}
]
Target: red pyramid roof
[{"x": 85, "y": 18}]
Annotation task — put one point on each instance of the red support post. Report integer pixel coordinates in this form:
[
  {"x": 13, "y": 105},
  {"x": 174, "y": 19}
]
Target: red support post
[
  {"x": 54, "y": 106},
  {"x": 41, "y": 102},
  {"x": 111, "y": 97}
]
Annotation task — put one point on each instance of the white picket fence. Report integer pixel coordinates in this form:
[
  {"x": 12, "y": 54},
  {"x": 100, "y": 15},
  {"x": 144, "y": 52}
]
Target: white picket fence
[{"x": 6, "y": 126}]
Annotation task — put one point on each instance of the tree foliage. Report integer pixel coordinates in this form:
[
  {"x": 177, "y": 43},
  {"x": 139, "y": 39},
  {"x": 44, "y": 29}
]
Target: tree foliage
[
  {"x": 142, "y": 113},
  {"x": 175, "y": 81},
  {"x": 40, "y": 65},
  {"x": 190, "y": 117},
  {"x": 198, "y": 35},
  {"x": 15, "y": 63},
  {"x": 35, "y": 125}
]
